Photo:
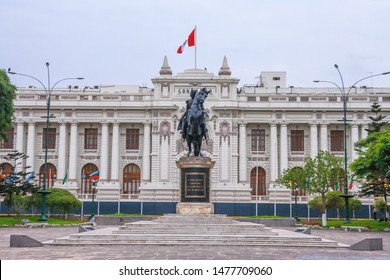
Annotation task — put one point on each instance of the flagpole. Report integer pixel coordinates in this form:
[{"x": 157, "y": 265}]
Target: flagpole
[
  {"x": 196, "y": 43},
  {"x": 82, "y": 199}
]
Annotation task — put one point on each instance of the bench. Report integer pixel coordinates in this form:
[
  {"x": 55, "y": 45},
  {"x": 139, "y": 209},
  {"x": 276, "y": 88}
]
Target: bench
[
  {"x": 359, "y": 229},
  {"x": 36, "y": 225}
]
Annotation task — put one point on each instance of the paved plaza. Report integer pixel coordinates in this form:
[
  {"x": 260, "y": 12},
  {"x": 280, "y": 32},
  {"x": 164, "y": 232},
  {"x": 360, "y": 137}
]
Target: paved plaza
[{"x": 187, "y": 252}]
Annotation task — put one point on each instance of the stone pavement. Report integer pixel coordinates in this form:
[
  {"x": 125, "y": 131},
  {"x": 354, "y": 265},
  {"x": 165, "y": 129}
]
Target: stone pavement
[{"x": 186, "y": 252}]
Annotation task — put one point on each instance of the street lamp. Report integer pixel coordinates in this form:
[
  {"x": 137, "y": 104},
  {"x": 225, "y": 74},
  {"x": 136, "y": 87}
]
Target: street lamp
[
  {"x": 345, "y": 95},
  {"x": 93, "y": 200},
  {"x": 49, "y": 89},
  {"x": 295, "y": 190}
]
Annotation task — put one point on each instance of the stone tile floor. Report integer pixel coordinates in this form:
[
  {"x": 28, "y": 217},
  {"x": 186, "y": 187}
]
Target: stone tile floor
[{"x": 187, "y": 252}]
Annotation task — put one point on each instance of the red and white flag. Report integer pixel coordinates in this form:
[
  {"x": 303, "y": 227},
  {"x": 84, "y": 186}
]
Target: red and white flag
[{"x": 190, "y": 42}]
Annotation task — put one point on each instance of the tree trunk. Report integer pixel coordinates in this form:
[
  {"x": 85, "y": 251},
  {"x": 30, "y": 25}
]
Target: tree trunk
[{"x": 324, "y": 221}]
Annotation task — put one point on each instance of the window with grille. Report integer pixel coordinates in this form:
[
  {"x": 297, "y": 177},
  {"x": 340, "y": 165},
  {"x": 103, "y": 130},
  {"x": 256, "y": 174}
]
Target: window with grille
[
  {"x": 51, "y": 138},
  {"x": 9, "y": 143},
  {"x": 132, "y": 139},
  {"x": 258, "y": 140},
  {"x": 337, "y": 140},
  {"x": 297, "y": 140},
  {"x": 90, "y": 138}
]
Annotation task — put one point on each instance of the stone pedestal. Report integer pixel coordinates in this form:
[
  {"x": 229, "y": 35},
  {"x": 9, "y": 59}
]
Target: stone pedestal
[
  {"x": 193, "y": 208},
  {"x": 195, "y": 185}
]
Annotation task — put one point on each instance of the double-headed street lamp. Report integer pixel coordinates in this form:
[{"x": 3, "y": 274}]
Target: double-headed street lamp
[
  {"x": 49, "y": 89},
  {"x": 345, "y": 95}
]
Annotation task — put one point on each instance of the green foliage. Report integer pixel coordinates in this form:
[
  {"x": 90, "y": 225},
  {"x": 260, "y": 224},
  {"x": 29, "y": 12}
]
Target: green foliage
[
  {"x": 373, "y": 164},
  {"x": 316, "y": 203},
  {"x": 370, "y": 224},
  {"x": 294, "y": 178},
  {"x": 7, "y": 95},
  {"x": 61, "y": 200},
  {"x": 376, "y": 121},
  {"x": 380, "y": 205},
  {"x": 334, "y": 201},
  {"x": 18, "y": 185},
  {"x": 17, "y": 203},
  {"x": 13, "y": 220}
]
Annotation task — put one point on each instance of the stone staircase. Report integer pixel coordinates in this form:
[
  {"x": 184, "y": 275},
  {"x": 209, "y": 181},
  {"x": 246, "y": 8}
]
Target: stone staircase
[{"x": 172, "y": 229}]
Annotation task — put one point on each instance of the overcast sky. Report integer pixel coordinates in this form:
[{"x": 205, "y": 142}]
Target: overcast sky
[{"x": 124, "y": 42}]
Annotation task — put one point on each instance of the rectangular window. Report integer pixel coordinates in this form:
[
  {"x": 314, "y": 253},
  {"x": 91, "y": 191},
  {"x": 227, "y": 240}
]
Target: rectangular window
[
  {"x": 51, "y": 138},
  {"x": 297, "y": 140},
  {"x": 132, "y": 139},
  {"x": 258, "y": 140},
  {"x": 9, "y": 143},
  {"x": 337, "y": 140},
  {"x": 90, "y": 138}
]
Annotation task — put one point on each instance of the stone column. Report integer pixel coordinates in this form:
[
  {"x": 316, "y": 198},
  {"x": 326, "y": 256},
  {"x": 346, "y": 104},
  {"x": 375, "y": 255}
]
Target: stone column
[
  {"x": 313, "y": 140},
  {"x": 19, "y": 142},
  {"x": 283, "y": 148},
  {"x": 354, "y": 138},
  {"x": 324, "y": 137},
  {"x": 62, "y": 152},
  {"x": 104, "y": 153},
  {"x": 31, "y": 147},
  {"x": 73, "y": 152},
  {"x": 115, "y": 152},
  {"x": 242, "y": 153},
  {"x": 273, "y": 152},
  {"x": 146, "y": 154}
]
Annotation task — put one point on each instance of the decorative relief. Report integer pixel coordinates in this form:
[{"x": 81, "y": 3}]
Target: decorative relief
[
  {"x": 165, "y": 114},
  {"x": 165, "y": 129},
  {"x": 224, "y": 115},
  {"x": 207, "y": 145},
  {"x": 235, "y": 128},
  {"x": 155, "y": 126},
  {"x": 155, "y": 114},
  {"x": 224, "y": 130}
]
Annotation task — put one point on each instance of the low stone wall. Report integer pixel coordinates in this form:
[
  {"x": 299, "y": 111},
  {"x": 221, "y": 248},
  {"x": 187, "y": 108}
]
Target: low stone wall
[{"x": 270, "y": 222}]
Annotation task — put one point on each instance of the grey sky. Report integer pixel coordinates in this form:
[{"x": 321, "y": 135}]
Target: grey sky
[{"x": 124, "y": 42}]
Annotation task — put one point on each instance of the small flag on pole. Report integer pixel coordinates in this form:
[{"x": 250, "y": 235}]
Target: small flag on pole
[
  {"x": 30, "y": 177},
  {"x": 351, "y": 184},
  {"x": 94, "y": 175},
  {"x": 65, "y": 178},
  {"x": 307, "y": 182}
]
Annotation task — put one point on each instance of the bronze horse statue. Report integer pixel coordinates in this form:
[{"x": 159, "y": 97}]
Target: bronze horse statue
[{"x": 192, "y": 124}]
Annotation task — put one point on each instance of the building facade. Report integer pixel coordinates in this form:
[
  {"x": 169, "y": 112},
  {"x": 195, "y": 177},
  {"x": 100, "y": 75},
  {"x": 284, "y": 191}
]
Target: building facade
[{"x": 129, "y": 134}]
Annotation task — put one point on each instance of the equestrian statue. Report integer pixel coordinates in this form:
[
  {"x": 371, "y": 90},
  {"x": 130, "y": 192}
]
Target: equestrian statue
[{"x": 192, "y": 124}]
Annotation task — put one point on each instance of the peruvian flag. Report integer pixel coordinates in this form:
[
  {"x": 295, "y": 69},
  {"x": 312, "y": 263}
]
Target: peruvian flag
[
  {"x": 190, "y": 42},
  {"x": 181, "y": 48}
]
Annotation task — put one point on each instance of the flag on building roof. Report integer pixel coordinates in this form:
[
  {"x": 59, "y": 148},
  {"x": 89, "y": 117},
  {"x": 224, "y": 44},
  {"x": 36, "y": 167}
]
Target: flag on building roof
[
  {"x": 181, "y": 48},
  {"x": 190, "y": 41}
]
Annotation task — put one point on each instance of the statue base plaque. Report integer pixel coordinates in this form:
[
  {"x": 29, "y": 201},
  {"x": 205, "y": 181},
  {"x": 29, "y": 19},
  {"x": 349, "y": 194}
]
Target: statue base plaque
[
  {"x": 195, "y": 185},
  {"x": 193, "y": 208}
]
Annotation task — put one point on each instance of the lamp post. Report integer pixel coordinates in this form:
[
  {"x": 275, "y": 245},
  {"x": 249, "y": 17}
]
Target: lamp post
[
  {"x": 345, "y": 95},
  {"x": 93, "y": 200},
  {"x": 49, "y": 89},
  {"x": 295, "y": 190}
]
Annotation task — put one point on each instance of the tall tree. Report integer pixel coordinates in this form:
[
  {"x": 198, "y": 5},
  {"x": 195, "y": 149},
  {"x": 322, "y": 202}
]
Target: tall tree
[
  {"x": 373, "y": 165},
  {"x": 18, "y": 183},
  {"x": 323, "y": 172},
  {"x": 376, "y": 120},
  {"x": 7, "y": 95}
]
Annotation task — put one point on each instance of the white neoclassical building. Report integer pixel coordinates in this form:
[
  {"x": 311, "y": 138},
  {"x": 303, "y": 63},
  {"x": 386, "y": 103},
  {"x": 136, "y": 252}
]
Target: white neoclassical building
[{"x": 129, "y": 134}]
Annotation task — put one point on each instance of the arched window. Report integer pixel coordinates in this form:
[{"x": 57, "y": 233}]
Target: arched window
[
  {"x": 6, "y": 170},
  {"x": 51, "y": 175},
  {"x": 258, "y": 181},
  {"x": 131, "y": 179},
  {"x": 86, "y": 184}
]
